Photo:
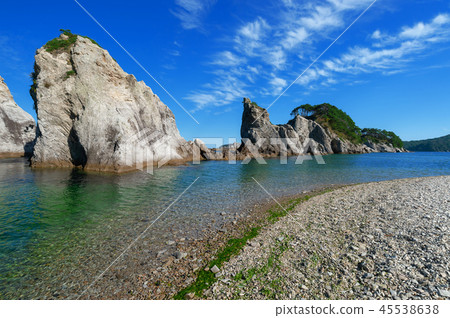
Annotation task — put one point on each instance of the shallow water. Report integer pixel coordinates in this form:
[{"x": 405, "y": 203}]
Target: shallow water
[{"x": 61, "y": 227}]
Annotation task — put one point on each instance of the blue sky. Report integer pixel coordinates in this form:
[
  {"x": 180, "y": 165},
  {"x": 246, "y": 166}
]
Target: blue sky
[{"x": 390, "y": 70}]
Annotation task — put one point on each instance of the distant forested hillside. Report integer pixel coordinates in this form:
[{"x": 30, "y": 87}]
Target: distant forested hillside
[{"x": 435, "y": 144}]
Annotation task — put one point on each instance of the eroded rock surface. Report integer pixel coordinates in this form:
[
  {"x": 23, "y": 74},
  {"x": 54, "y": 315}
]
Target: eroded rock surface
[
  {"x": 17, "y": 127},
  {"x": 92, "y": 114},
  {"x": 299, "y": 136}
]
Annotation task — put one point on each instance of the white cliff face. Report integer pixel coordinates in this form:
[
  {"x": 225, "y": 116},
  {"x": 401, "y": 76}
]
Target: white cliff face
[
  {"x": 92, "y": 114},
  {"x": 17, "y": 127}
]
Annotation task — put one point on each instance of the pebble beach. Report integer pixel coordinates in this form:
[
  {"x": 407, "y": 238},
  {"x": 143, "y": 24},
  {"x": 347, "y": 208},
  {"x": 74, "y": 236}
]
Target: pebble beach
[{"x": 383, "y": 240}]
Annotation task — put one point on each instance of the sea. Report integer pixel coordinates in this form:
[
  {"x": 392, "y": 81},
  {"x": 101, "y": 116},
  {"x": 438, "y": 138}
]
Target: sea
[{"x": 60, "y": 228}]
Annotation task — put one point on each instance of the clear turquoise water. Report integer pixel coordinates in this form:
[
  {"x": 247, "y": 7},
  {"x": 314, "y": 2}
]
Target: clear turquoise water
[{"x": 59, "y": 228}]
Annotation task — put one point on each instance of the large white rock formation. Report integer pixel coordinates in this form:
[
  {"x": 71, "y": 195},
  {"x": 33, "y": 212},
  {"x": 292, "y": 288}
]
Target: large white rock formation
[
  {"x": 17, "y": 127},
  {"x": 91, "y": 114}
]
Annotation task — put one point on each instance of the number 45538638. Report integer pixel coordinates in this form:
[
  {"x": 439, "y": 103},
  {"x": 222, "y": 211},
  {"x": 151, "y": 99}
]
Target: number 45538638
[{"x": 409, "y": 309}]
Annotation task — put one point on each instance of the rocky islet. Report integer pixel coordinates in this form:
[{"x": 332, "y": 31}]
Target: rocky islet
[{"x": 17, "y": 127}]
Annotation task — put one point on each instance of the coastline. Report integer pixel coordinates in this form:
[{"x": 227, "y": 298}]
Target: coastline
[
  {"x": 283, "y": 260},
  {"x": 178, "y": 276},
  {"x": 10, "y": 155},
  {"x": 166, "y": 280}
]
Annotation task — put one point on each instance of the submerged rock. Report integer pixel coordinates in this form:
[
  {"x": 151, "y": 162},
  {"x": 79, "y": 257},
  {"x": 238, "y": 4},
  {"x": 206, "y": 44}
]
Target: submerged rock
[
  {"x": 17, "y": 127},
  {"x": 91, "y": 114}
]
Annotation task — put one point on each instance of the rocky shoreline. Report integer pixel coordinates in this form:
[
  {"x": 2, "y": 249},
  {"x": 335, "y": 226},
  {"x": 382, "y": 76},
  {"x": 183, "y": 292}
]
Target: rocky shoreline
[
  {"x": 381, "y": 240},
  {"x": 177, "y": 264},
  {"x": 384, "y": 240}
]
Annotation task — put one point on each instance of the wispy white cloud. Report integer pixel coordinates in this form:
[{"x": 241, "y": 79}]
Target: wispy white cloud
[
  {"x": 230, "y": 84},
  {"x": 265, "y": 52},
  {"x": 227, "y": 58},
  {"x": 288, "y": 3},
  {"x": 423, "y": 30},
  {"x": 313, "y": 75},
  {"x": 390, "y": 54},
  {"x": 301, "y": 24},
  {"x": 295, "y": 37},
  {"x": 202, "y": 99},
  {"x": 254, "y": 30},
  {"x": 377, "y": 35},
  {"x": 224, "y": 90},
  {"x": 322, "y": 17},
  {"x": 341, "y": 5},
  {"x": 266, "y": 49},
  {"x": 278, "y": 84},
  {"x": 191, "y": 12},
  {"x": 250, "y": 37},
  {"x": 275, "y": 57}
]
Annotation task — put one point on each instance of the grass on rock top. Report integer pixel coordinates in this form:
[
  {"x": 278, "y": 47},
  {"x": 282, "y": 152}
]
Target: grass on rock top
[{"x": 59, "y": 44}]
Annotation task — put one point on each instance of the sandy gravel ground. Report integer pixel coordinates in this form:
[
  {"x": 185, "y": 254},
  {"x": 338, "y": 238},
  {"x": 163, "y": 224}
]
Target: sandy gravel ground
[{"x": 385, "y": 240}]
